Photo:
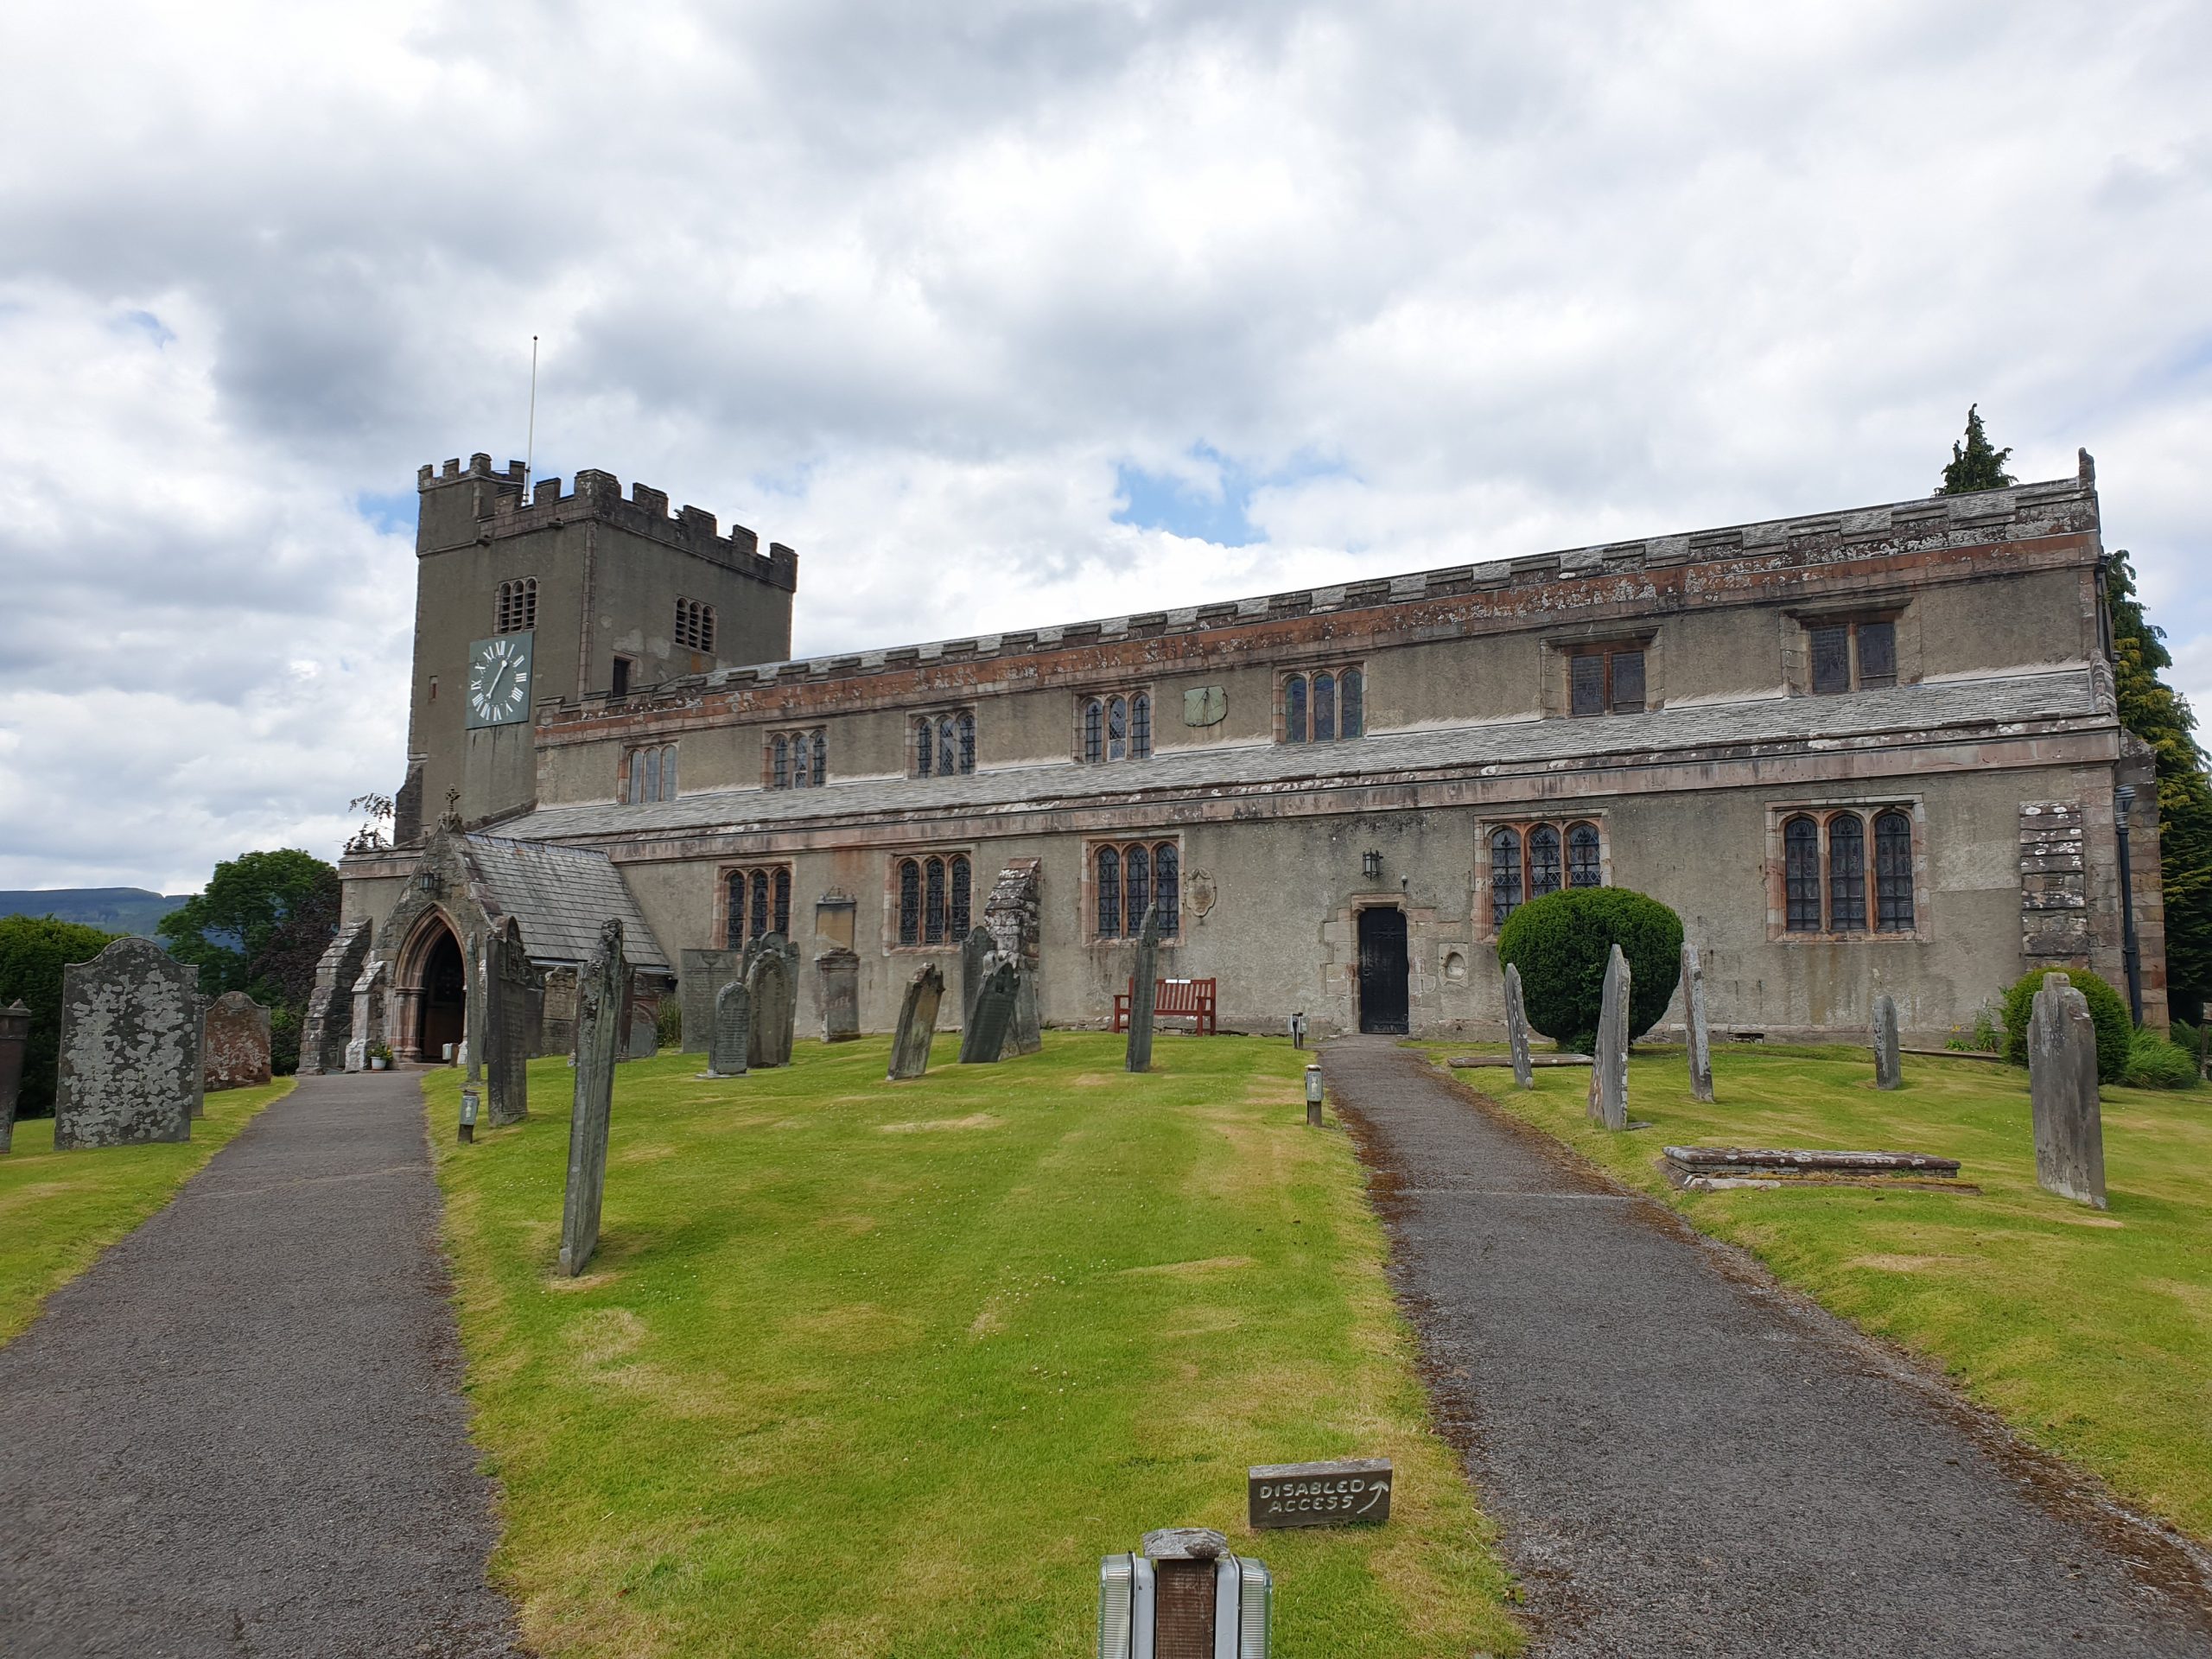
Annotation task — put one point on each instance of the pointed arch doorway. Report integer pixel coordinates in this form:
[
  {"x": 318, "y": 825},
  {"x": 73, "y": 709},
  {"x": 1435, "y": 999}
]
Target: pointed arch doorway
[{"x": 432, "y": 991}]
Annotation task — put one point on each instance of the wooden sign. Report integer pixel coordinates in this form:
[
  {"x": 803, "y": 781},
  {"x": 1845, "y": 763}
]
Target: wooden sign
[{"x": 1320, "y": 1494}]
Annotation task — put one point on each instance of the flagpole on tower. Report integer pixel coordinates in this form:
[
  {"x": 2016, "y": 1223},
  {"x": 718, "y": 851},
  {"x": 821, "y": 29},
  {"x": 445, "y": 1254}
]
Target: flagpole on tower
[{"x": 530, "y": 443}]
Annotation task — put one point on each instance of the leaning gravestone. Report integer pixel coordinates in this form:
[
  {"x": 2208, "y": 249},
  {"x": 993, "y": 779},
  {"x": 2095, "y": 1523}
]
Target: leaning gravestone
[
  {"x": 599, "y": 1044},
  {"x": 978, "y": 956},
  {"x": 840, "y": 973},
  {"x": 1144, "y": 993},
  {"x": 1516, "y": 1028},
  {"x": 130, "y": 1065},
  {"x": 730, "y": 1050},
  {"x": 1609, "y": 1062},
  {"x": 15, "y": 1037},
  {"x": 1888, "y": 1064},
  {"x": 1696, "y": 1034},
  {"x": 910, "y": 1047},
  {"x": 769, "y": 985},
  {"x": 510, "y": 1025},
  {"x": 2063, "y": 1085},
  {"x": 984, "y": 1039},
  {"x": 234, "y": 1042}
]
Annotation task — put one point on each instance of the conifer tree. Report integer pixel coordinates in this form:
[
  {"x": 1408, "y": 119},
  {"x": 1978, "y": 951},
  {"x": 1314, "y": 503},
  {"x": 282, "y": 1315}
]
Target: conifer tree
[
  {"x": 1975, "y": 465},
  {"x": 2161, "y": 717}
]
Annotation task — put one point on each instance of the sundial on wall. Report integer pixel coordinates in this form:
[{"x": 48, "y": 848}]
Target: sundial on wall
[{"x": 499, "y": 679}]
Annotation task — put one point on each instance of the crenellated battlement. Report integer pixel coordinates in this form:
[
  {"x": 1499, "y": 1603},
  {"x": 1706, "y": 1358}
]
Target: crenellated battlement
[{"x": 502, "y": 510}]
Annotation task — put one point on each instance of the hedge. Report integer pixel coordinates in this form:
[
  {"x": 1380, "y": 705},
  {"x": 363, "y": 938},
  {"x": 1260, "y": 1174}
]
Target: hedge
[{"x": 1561, "y": 943}]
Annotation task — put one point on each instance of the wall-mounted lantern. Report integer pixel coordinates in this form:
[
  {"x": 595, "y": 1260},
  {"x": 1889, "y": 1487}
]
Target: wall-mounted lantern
[
  {"x": 1370, "y": 864},
  {"x": 426, "y": 882}
]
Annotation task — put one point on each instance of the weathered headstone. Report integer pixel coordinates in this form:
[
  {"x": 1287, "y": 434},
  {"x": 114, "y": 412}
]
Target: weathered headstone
[
  {"x": 644, "y": 1034},
  {"x": 477, "y": 1008},
  {"x": 2063, "y": 1085},
  {"x": 130, "y": 1065},
  {"x": 909, "y": 1046},
  {"x": 1026, "y": 1033},
  {"x": 1609, "y": 1063},
  {"x": 1697, "y": 1035},
  {"x": 840, "y": 973},
  {"x": 984, "y": 1039},
  {"x": 1013, "y": 913},
  {"x": 510, "y": 1026},
  {"x": 1516, "y": 1028},
  {"x": 701, "y": 975},
  {"x": 730, "y": 1051},
  {"x": 600, "y": 989},
  {"x": 1144, "y": 993},
  {"x": 769, "y": 985},
  {"x": 234, "y": 1042},
  {"x": 15, "y": 1037},
  {"x": 978, "y": 953},
  {"x": 1888, "y": 1062}
]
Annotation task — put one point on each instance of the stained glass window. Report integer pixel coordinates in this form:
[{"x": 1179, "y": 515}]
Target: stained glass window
[
  {"x": 1504, "y": 874},
  {"x": 1800, "y": 857},
  {"x": 760, "y": 902},
  {"x": 910, "y": 902},
  {"x": 1136, "y": 875},
  {"x": 734, "y": 910},
  {"x": 1543, "y": 861},
  {"x": 1584, "y": 867},
  {"x": 1893, "y": 872},
  {"x": 1294, "y": 709},
  {"x": 960, "y": 890},
  {"x": 1167, "y": 878},
  {"x": 1847, "y": 874},
  {"x": 1109, "y": 894},
  {"x": 784, "y": 902},
  {"x": 1324, "y": 707},
  {"x": 933, "y": 905}
]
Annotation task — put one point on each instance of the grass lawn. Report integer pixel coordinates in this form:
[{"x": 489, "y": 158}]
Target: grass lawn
[
  {"x": 874, "y": 1368},
  {"x": 60, "y": 1210},
  {"x": 2091, "y": 1331}
]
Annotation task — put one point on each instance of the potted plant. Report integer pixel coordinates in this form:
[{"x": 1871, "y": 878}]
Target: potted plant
[{"x": 379, "y": 1056}]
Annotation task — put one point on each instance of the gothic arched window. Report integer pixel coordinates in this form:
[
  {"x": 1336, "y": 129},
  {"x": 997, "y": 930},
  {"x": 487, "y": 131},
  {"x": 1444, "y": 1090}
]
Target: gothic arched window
[
  {"x": 1583, "y": 868},
  {"x": 1109, "y": 893},
  {"x": 802, "y": 772},
  {"x": 1136, "y": 880},
  {"x": 948, "y": 746},
  {"x": 1094, "y": 733},
  {"x": 652, "y": 775},
  {"x": 1140, "y": 727},
  {"x": 1351, "y": 703},
  {"x": 1505, "y": 874},
  {"x": 1543, "y": 861},
  {"x": 753, "y": 901},
  {"x": 734, "y": 910},
  {"x": 1847, "y": 874},
  {"x": 784, "y": 902},
  {"x": 760, "y": 902},
  {"x": 1324, "y": 707},
  {"x": 821, "y": 747},
  {"x": 910, "y": 902},
  {"x": 1801, "y": 860},
  {"x": 1893, "y": 872},
  {"x": 963, "y": 895},
  {"x": 924, "y": 747},
  {"x": 1167, "y": 885},
  {"x": 782, "y": 767},
  {"x": 967, "y": 727},
  {"x": 933, "y": 903},
  {"x": 1294, "y": 709},
  {"x": 1117, "y": 730}
]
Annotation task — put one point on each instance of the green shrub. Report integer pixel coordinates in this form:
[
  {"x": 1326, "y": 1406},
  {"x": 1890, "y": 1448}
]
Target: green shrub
[
  {"x": 2154, "y": 1063},
  {"x": 1561, "y": 943},
  {"x": 2108, "y": 1012},
  {"x": 33, "y": 950},
  {"x": 668, "y": 1023}
]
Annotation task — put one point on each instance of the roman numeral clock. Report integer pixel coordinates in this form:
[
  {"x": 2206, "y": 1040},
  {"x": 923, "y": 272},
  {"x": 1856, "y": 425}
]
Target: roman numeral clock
[{"x": 499, "y": 680}]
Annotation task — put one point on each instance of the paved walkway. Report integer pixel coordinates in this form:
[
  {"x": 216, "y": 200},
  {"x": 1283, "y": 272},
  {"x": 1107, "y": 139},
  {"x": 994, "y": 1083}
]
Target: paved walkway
[
  {"x": 1686, "y": 1460},
  {"x": 239, "y": 1433}
]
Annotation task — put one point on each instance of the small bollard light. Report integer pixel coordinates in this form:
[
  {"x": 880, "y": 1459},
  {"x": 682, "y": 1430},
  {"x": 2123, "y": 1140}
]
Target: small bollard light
[
  {"x": 1313, "y": 1096},
  {"x": 1185, "y": 1594},
  {"x": 1298, "y": 1031},
  {"x": 467, "y": 1116}
]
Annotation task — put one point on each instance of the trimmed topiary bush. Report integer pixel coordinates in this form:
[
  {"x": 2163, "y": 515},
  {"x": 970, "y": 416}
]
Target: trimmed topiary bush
[
  {"x": 2154, "y": 1063},
  {"x": 2108, "y": 1012},
  {"x": 1561, "y": 943}
]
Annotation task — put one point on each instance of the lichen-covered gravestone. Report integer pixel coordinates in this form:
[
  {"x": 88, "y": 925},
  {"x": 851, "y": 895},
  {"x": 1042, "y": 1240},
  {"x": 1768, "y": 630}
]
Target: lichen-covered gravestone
[
  {"x": 978, "y": 956},
  {"x": 1889, "y": 1070},
  {"x": 1516, "y": 1028},
  {"x": 130, "y": 1065},
  {"x": 730, "y": 1050},
  {"x": 2063, "y": 1085},
  {"x": 1144, "y": 993},
  {"x": 15, "y": 1037},
  {"x": 839, "y": 971},
  {"x": 234, "y": 1042},
  {"x": 509, "y": 1026},
  {"x": 599, "y": 1044},
  {"x": 1697, "y": 1035},
  {"x": 984, "y": 1039},
  {"x": 1609, "y": 1061},
  {"x": 769, "y": 985},
  {"x": 909, "y": 1046}
]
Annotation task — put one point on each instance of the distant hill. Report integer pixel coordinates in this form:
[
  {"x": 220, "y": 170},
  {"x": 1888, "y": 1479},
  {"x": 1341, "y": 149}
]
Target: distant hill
[{"x": 117, "y": 910}]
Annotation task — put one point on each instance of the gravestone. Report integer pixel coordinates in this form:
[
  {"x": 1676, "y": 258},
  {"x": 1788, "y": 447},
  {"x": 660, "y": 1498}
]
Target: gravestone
[
  {"x": 476, "y": 1010},
  {"x": 644, "y": 1032},
  {"x": 2063, "y": 1085},
  {"x": 1888, "y": 1063},
  {"x": 599, "y": 1043},
  {"x": 910, "y": 1046},
  {"x": 130, "y": 1067},
  {"x": 983, "y": 1040},
  {"x": 1144, "y": 993},
  {"x": 1516, "y": 1028},
  {"x": 769, "y": 985},
  {"x": 1696, "y": 1034},
  {"x": 978, "y": 952},
  {"x": 730, "y": 1051},
  {"x": 840, "y": 972},
  {"x": 15, "y": 1037},
  {"x": 510, "y": 1026},
  {"x": 1025, "y": 1034},
  {"x": 1609, "y": 1062},
  {"x": 1013, "y": 913},
  {"x": 234, "y": 1042},
  {"x": 701, "y": 975}
]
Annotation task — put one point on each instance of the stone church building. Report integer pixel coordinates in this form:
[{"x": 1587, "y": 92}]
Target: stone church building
[{"x": 1859, "y": 752}]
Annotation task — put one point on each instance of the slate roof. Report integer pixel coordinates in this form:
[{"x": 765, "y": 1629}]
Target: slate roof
[
  {"x": 1804, "y": 723},
  {"x": 561, "y": 895}
]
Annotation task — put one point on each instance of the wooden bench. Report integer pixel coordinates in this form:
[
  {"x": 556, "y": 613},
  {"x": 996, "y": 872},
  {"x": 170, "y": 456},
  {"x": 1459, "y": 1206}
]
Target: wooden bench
[{"x": 1174, "y": 999}]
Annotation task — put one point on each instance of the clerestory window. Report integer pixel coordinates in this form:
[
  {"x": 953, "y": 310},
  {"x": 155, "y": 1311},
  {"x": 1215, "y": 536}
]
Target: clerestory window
[
  {"x": 1116, "y": 728},
  {"x": 1852, "y": 656},
  {"x": 648, "y": 774},
  {"x": 1605, "y": 680},
  {"x": 944, "y": 745},
  {"x": 1324, "y": 705},
  {"x": 798, "y": 759}
]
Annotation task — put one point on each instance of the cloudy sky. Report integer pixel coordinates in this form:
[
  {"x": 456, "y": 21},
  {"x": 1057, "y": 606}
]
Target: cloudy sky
[{"x": 1013, "y": 314}]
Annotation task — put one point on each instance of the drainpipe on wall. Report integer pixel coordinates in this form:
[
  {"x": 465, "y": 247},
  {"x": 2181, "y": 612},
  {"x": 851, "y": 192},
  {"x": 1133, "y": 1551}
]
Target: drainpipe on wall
[{"x": 2123, "y": 798}]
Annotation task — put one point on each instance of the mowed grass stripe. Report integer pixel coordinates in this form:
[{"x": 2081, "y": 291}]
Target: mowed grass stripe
[
  {"x": 866, "y": 1369},
  {"x": 59, "y": 1211},
  {"x": 2090, "y": 1331}
]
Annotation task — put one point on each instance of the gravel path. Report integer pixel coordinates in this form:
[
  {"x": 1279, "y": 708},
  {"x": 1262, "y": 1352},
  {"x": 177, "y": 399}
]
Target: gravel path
[
  {"x": 1685, "y": 1459},
  {"x": 241, "y": 1432}
]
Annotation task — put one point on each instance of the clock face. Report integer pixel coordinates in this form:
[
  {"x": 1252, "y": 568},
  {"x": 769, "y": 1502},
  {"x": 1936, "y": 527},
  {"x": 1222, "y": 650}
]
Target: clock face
[{"x": 499, "y": 680}]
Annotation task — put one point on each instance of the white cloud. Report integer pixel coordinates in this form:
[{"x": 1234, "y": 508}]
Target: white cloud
[{"x": 909, "y": 288}]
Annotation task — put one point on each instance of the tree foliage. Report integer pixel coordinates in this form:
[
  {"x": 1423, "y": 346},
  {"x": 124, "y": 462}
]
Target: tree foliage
[
  {"x": 2161, "y": 717},
  {"x": 1975, "y": 465},
  {"x": 2108, "y": 1012},
  {"x": 260, "y": 926},
  {"x": 33, "y": 951},
  {"x": 1561, "y": 943}
]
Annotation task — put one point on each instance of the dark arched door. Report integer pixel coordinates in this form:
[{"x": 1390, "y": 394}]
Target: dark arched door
[
  {"x": 445, "y": 997},
  {"x": 1382, "y": 971}
]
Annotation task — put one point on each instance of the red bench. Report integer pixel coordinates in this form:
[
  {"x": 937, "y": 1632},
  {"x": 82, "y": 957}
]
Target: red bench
[{"x": 1174, "y": 999}]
